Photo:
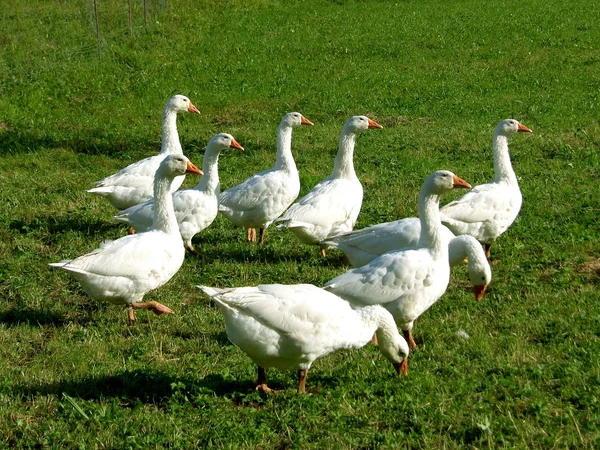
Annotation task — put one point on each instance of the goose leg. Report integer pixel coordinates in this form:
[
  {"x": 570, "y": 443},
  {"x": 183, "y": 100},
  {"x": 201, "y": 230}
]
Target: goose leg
[
  {"x": 190, "y": 248},
  {"x": 374, "y": 339},
  {"x": 130, "y": 316},
  {"x": 323, "y": 253},
  {"x": 487, "y": 248},
  {"x": 261, "y": 384},
  {"x": 155, "y": 307},
  {"x": 409, "y": 339},
  {"x": 130, "y": 230},
  {"x": 302, "y": 374},
  {"x": 261, "y": 236},
  {"x": 251, "y": 234}
]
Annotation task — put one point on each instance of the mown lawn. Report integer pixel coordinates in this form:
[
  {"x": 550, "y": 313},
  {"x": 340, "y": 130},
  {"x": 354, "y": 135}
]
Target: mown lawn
[{"x": 438, "y": 76}]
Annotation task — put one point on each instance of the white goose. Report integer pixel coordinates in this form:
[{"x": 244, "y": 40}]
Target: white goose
[
  {"x": 290, "y": 326},
  {"x": 134, "y": 183},
  {"x": 123, "y": 271},
  {"x": 364, "y": 245},
  {"x": 195, "y": 208},
  {"x": 333, "y": 205},
  {"x": 407, "y": 281},
  {"x": 262, "y": 198},
  {"x": 486, "y": 211}
]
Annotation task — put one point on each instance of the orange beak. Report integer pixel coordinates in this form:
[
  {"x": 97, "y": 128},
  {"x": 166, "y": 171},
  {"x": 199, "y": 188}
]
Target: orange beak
[
  {"x": 236, "y": 144},
  {"x": 373, "y": 124},
  {"x": 193, "y": 109},
  {"x": 460, "y": 183},
  {"x": 479, "y": 291},
  {"x": 402, "y": 367},
  {"x": 524, "y": 129},
  {"x": 305, "y": 121},
  {"x": 191, "y": 168}
]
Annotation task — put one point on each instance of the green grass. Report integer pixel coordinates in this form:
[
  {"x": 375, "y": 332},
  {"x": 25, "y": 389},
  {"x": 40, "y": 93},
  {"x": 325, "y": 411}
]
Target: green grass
[{"x": 438, "y": 76}]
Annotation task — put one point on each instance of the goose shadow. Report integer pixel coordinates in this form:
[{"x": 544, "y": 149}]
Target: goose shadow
[
  {"x": 219, "y": 337},
  {"x": 16, "y": 140},
  {"x": 141, "y": 385},
  {"x": 82, "y": 314},
  {"x": 33, "y": 317},
  {"x": 146, "y": 386},
  {"x": 80, "y": 221},
  {"x": 253, "y": 253}
]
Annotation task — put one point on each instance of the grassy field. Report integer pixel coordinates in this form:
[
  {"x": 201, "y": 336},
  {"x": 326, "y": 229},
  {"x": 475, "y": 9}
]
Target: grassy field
[{"x": 438, "y": 76}]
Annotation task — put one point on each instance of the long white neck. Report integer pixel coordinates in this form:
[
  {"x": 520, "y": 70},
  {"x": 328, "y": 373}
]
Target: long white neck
[
  {"x": 466, "y": 246},
  {"x": 431, "y": 227},
  {"x": 386, "y": 327},
  {"x": 170, "y": 137},
  {"x": 344, "y": 160},
  {"x": 373, "y": 318},
  {"x": 285, "y": 160},
  {"x": 502, "y": 167},
  {"x": 164, "y": 215},
  {"x": 388, "y": 338},
  {"x": 459, "y": 248},
  {"x": 209, "y": 182}
]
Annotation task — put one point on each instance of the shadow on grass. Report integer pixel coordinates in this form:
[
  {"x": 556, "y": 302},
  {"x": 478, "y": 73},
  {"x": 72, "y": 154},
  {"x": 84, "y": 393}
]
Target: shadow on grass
[
  {"x": 217, "y": 338},
  {"x": 145, "y": 386},
  {"x": 84, "y": 140},
  {"x": 253, "y": 253},
  {"x": 71, "y": 221},
  {"x": 33, "y": 317},
  {"x": 89, "y": 141},
  {"x": 220, "y": 338},
  {"x": 76, "y": 312},
  {"x": 225, "y": 387}
]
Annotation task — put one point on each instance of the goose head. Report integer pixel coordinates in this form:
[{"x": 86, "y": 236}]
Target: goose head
[
  {"x": 356, "y": 124},
  {"x": 443, "y": 181},
  {"x": 511, "y": 126},
  {"x": 175, "y": 165},
  {"x": 222, "y": 141},
  {"x": 395, "y": 348},
  {"x": 295, "y": 119},
  {"x": 479, "y": 271},
  {"x": 478, "y": 266},
  {"x": 180, "y": 103},
  {"x": 480, "y": 277}
]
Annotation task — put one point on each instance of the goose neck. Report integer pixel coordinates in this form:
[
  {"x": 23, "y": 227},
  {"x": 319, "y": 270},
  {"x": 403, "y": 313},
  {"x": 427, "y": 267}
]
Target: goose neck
[
  {"x": 475, "y": 254},
  {"x": 457, "y": 250},
  {"x": 431, "y": 226},
  {"x": 502, "y": 166},
  {"x": 386, "y": 327},
  {"x": 344, "y": 165},
  {"x": 164, "y": 215},
  {"x": 170, "y": 137},
  {"x": 373, "y": 317},
  {"x": 209, "y": 182},
  {"x": 285, "y": 159},
  {"x": 388, "y": 338}
]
